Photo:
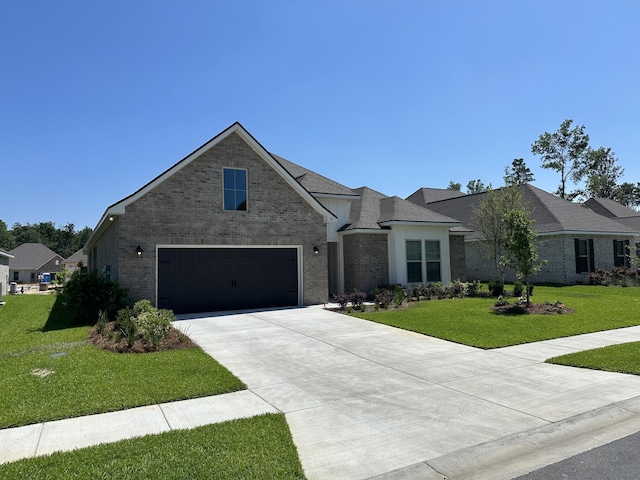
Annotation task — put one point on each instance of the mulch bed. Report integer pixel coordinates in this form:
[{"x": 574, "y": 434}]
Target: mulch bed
[
  {"x": 173, "y": 341},
  {"x": 535, "y": 308}
]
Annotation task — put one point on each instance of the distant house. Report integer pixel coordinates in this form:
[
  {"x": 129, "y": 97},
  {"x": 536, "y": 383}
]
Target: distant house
[
  {"x": 573, "y": 239},
  {"x": 30, "y": 260},
  {"x": 75, "y": 262},
  {"x": 5, "y": 257}
]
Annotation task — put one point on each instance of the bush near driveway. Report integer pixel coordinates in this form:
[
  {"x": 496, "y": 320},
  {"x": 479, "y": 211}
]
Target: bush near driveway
[
  {"x": 48, "y": 370},
  {"x": 471, "y": 322}
]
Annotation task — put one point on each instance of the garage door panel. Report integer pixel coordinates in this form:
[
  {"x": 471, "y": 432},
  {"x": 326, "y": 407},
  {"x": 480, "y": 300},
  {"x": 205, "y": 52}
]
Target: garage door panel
[{"x": 209, "y": 279}]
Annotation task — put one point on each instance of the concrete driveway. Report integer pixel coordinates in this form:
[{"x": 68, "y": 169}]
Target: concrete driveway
[{"x": 366, "y": 400}]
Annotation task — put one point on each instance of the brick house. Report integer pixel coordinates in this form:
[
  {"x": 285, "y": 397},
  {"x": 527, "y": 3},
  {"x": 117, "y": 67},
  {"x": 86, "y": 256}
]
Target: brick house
[
  {"x": 233, "y": 226},
  {"x": 573, "y": 239}
]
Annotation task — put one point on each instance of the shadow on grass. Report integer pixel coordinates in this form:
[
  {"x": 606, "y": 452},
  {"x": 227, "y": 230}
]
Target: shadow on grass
[{"x": 61, "y": 317}]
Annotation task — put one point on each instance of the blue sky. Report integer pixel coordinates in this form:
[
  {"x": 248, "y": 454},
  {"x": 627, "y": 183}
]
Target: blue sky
[{"x": 98, "y": 98}]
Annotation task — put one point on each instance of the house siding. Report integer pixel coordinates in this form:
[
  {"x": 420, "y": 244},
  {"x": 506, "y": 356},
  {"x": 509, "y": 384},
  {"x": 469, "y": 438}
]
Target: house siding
[
  {"x": 457, "y": 253},
  {"x": 559, "y": 253},
  {"x": 186, "y": 209},
  {"x": 366, "y": 261}
]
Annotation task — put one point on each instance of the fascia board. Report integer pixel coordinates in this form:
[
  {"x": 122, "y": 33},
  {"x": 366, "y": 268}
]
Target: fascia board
[
  {"x": 363, "y": 230},
  {"x": 118, "y": 208},
  {"x": 426, "y": 224}
]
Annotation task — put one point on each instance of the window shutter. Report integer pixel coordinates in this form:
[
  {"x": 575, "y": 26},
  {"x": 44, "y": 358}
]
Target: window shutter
[
  {"x": 577, "y": 246},
  {"x": 592, "y": 262}
]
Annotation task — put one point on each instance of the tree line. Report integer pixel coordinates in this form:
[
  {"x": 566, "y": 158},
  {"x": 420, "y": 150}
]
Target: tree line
[
  {"x": 568, "y": 152},
  {"x": 64, "y": 241}
]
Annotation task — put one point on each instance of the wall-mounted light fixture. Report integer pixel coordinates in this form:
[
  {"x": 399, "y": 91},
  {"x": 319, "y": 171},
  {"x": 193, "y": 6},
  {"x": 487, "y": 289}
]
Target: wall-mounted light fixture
[
  {"x": 316, "y": 250},
  {"x": 139, "y": 251},
  {"x": 111, "y": 218}
]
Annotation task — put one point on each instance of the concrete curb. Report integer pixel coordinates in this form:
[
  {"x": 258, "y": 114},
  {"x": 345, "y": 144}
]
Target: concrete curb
[{"x": 522, "y": 453}]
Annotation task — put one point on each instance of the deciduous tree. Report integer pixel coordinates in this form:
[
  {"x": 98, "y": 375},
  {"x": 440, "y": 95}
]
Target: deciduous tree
[
  {"x": 476, "y": 186},
  {"x": 521, "y": 249},
  {"x": 489, "y": 218},
  {"x": 564, "y": 152}
]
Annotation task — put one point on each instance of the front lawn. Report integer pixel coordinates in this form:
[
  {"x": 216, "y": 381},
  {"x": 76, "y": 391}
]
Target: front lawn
[
  {"x": 623, "y": 358},
  {"x": 48, "y": 371},
  {"x": 471, "y": 322},
  {"x": 256, "y": 448}
]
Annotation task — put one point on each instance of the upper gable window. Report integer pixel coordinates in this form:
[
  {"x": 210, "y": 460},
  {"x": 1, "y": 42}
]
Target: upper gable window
[{"x": 235, "y": 188}]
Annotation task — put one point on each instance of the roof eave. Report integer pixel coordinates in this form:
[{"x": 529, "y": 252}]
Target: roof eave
[{"x": 421, "y": 223}]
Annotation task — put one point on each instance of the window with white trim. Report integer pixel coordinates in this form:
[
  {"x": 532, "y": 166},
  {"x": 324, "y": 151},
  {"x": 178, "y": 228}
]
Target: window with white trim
[
  {"x": 423, "y": 263},
  {"x": 234, "y": 189},
  {"x": 432, "y": 256},
  {"x": 414, "y": 261}
]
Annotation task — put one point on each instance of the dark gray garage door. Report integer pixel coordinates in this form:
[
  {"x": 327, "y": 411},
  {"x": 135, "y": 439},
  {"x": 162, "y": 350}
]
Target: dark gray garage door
[{"x": 209, "y": 279}]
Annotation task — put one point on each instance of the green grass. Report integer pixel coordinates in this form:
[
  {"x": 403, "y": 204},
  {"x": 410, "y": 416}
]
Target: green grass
[
  {"x": 623, "y": 358},
  {"x": 85, "y": 379},
  {"x": 257, "y": 448},
  {"x": 471, "y": 322}
]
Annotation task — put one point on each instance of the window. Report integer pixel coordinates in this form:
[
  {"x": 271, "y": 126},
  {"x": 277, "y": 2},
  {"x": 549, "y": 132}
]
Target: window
[
  {"x": 432, "y": 249},
  {"x": 417, "y": 265},
  {"x": 16, "y": 276},
  {"x": 414, "y": 261},
  {"x": 235, "y": 189},
  {"x": 584, "y": 255},
  {"x": 620, "y": 249}
]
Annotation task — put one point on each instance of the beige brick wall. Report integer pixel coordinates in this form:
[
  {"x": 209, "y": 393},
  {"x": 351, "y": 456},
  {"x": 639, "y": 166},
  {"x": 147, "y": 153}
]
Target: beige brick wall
[
  {"x": 557, "y": 250},
  {"x": 187, "y": 209},
  {"x": 366, "y": 262},
  {"x": 457, "y": 256}
]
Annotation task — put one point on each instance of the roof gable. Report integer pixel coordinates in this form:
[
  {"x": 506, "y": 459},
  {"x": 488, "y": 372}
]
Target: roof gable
[
  {"x": 610, "y": 208},
  {"x": 31, "y": 256},
  {"x": 423, "y": 196},
  {"x": 119, "y": 207},
  {"x": 375, "y": 211}
]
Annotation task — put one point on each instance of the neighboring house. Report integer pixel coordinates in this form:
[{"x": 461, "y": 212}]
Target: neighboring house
[
  {"x": 612, "y": 209},
  {"x": 32, "y": 260},
  {"x": 572, "y": 239},
  {"x": 75, "y": 262},
  {"x": 232, "y": 226},
  {"x": 4, "y": 272}
]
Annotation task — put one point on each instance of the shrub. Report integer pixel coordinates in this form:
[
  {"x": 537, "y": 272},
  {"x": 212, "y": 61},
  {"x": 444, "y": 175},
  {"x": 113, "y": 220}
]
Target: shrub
[
  {"x": 399, "y": 294},
  {"x": 457, "y": 289},
  {"x": 342, "y": 299},
  {"x": 518, "y": 288},
  {"x": 473, "y": 288},
  {"x": 87, "y": 294},
  {"x": 435, "y": 289},
  {"x": 145, "y": 322},
  {"x": 383, "y": 298},
  {"x": 496, "y": 289},
  {"x": 357, "y": 299},
  {"x": 501, "y": 301}
]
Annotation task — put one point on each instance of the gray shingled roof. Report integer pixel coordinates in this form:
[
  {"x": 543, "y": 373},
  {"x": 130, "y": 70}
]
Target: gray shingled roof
[
  {"x": 610, "y": 208},
  {"x": 313, "y": 182},
  {"x": 77, "y": 257},
  {"x": 30, "y": 256},
  {"x": 551, "y": 214},
  {"x": 428, "y": 195},
  {"x": 374, "y": 211}
]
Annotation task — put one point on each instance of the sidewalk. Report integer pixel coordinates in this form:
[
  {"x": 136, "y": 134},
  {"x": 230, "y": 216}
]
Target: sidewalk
[
  {"x": 365, "y": 400},
  {"x": 69, "y": 434}
]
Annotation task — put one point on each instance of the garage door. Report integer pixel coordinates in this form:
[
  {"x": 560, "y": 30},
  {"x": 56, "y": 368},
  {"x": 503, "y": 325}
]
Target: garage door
[{"x": 209, "y": 279}]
